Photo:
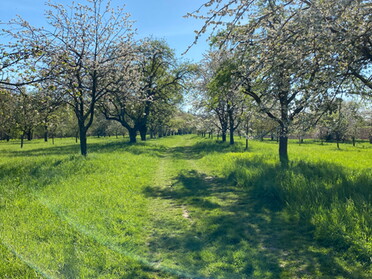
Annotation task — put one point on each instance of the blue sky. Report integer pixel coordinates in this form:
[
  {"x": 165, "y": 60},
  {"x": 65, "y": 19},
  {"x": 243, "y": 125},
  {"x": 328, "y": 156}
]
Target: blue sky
[{"x": 159, "y": 18}]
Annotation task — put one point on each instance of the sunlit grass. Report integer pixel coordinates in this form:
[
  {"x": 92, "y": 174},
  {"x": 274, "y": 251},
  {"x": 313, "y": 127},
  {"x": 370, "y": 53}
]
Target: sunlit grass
[{"x": 184, "y": 207}]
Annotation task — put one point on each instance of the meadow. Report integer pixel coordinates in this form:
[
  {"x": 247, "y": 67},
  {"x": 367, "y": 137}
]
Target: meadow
[{"x": 184, "y": 207}]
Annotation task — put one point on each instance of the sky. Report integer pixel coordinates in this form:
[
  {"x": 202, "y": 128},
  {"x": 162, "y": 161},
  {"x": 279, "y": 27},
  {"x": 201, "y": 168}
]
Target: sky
[{"x": 161, "y": 19}]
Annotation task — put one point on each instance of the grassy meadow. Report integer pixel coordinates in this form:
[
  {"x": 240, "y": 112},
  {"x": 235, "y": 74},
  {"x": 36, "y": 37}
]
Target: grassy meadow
[{"x": 184, "y": 207}]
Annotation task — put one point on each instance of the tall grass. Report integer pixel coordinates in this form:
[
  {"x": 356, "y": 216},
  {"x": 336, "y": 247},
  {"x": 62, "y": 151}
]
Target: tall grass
[
  {"x": 334, "y": 200},
  {"x": 325, "y": 189}
]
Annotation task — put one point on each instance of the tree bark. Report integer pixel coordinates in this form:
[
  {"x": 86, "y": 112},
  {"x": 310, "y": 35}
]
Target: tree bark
[
  {"x": 143, "y": 132},
  {"x": 232, "y": 136},
  {"x": 132, "y": 135},
  {"x": 83, "y": 140},
  {"x": 29, "y": 135},
  {"x": 231, "y": 124},
  {"x": 223, "y": 136},
  {"x": 22, "y": 137},
  {"x": 45, "y": 133},
  {"x": 246, "y": 136},
  {"x": 283, "y": 146}
]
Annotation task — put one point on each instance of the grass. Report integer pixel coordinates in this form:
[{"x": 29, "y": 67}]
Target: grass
[{"x": 184, "y": 207}]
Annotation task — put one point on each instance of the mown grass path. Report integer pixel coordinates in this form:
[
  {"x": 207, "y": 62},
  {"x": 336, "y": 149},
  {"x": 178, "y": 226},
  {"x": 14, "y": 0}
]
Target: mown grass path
[{"x": 182, "y": 207}]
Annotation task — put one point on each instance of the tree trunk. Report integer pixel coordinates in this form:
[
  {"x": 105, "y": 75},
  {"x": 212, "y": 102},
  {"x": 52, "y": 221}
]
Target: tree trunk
[
  {"x": 283, "y": 146},
  {"x": 45, "y": 133},
  {"x": 132, "y": 135},
  {"x": 353, "y": 138},
  {"x": 246, "y": 135},
  {"x": 83, "y": 140},
  {"x": 22, "y": 137},
  {"x": 231, "y": 124},
  {"x": 223, "y": 136},
  {"x": 232, "y": 136},
  {"x": 29, "y": 135},
  {"x": 143, "y": 132}
]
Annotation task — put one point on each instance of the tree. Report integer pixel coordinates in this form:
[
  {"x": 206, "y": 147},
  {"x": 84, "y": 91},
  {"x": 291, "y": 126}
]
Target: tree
[
  {"x": 345, "y": 30},
  {"x": 159, "y": 79},
  {"x": 281, "y": 68},
  {"x": 82, "y": 49},
  {"x": 160, "y": 116},
  {"x": 49, "y": 100},
  {"x": 21, "y": 57},
  {"x": 225, "y": 99},
  {"x": 344, "y": 121},
  {"x": 7, "y": 117},
  {"x": 26, "y": 113},
  {"x": 352, "y": 113}
]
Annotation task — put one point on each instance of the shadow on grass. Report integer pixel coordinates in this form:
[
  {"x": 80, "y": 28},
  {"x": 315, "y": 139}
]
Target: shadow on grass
[
  {"x": 31, "y": 175},
  {"x": 201, "y": 149},
  {"x": 263, "y": 221},
  {"x": 150, "y": 148},
  {"x": 103, "y": 147}
]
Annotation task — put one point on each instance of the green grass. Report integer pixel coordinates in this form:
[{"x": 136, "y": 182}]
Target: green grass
[{"x": 184, "y": 207}]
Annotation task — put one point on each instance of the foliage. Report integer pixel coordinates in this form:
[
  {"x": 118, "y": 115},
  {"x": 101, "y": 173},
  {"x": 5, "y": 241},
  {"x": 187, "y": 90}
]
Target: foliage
[
  {"x": 160, "y": 81},
  {"x": 287, "y": 61},
  {"x": 82, "y": 47}
]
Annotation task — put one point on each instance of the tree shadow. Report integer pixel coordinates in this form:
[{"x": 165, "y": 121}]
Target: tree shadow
[
  {"x": 150, "y": 148},
  {"x": 263, "y": 221},
  {"x": 33, "y": 176},
  {"x": 203, "y": 148},
  {"x": 99, "y": 148}
]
